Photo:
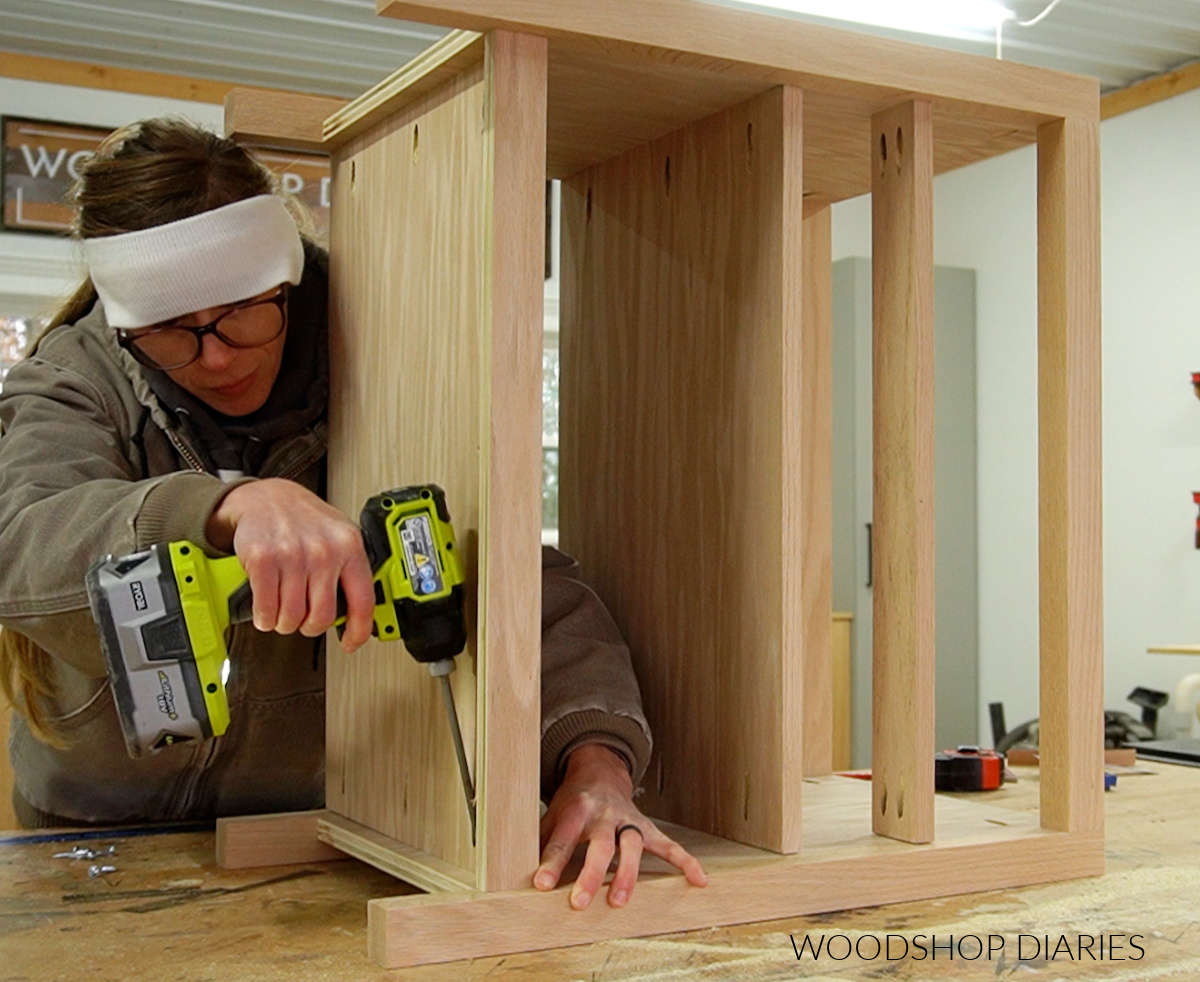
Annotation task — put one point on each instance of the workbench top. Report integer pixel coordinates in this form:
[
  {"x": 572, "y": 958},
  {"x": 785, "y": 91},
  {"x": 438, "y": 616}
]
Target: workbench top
[{"x": 168, "y": 913}]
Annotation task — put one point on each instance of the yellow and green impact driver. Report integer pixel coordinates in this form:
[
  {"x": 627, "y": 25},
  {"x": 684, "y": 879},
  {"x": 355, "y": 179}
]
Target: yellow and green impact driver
[{"x": 162, "y": 615}]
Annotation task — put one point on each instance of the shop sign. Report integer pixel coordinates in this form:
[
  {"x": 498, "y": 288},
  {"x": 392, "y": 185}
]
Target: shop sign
[{"x": 41, "y": 161}]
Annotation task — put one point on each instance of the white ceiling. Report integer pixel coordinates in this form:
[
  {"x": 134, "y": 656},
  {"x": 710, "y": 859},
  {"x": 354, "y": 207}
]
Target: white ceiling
[{"x": 341, "y": 48}]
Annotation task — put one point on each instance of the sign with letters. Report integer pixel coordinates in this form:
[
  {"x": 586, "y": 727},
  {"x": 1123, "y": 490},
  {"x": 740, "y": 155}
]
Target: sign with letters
[{"x": 41, "y": 161}]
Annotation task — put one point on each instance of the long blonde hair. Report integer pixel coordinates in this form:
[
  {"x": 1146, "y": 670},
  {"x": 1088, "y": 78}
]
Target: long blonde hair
[{"x": 146, "y": 174}]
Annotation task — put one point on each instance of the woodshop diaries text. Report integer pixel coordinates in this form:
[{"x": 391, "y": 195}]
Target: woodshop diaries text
[{"x": 971, "y": 947}]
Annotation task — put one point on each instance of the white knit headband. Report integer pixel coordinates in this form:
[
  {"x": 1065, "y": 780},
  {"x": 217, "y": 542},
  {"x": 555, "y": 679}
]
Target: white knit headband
[{"x": 214, "y": 258}]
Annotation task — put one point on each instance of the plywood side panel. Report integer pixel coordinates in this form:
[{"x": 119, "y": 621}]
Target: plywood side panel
[
  {"x": 1069, "y": 475},
  {"x": 510, "y": 535},
  {"x": 408, "y": 335},
  {"x": 680, "y": 467},
  {"x": 416, "y": 868},
  {"x": 902, "y": 370},
  {"x": 816, "y": 440}
]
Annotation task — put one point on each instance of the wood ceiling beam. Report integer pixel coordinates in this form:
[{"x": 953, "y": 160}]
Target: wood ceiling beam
[
  {"x": 58, "y": 71},
  {"x": 1151, "y": 90}
]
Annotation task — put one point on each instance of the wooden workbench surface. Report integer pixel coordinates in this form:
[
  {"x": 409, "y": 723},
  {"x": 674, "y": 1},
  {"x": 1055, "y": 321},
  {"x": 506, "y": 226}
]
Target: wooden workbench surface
[{"x": 169, "y": 914}]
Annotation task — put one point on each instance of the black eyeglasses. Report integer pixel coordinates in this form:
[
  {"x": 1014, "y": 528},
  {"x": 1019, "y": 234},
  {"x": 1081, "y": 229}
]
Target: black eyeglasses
[{"x": 245, "y": 325}]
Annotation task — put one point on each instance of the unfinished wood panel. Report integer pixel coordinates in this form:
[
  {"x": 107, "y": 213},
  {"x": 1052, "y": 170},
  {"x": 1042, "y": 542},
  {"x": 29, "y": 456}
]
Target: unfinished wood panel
[
  {"x": 287, "y": 120},
  {"x": 435, "y": 339},
  {"x": 408, "y": 244},
  {"x": 681, "y": 451},
  {"x": 777, "y": 49},
  {"x": 606, "y": 102},
  {"x": 609, "y": 100},
  {"x": 843, "y": 866},
  {"x": 610, "y": 94},
  {"x": 439, "y": 63},
  {"x": 510, "y": 536},
  {"x": 339, "y": 834},
  {"x": 1069, "y": 476},
  {"x": 903, "y": 530},
  {"x": 250, "y": 841},
  {"x": 816, "y": 441}
]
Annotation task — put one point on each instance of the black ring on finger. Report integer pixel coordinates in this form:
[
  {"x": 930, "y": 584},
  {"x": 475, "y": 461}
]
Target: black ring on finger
[{"x": 621, "y": 829}]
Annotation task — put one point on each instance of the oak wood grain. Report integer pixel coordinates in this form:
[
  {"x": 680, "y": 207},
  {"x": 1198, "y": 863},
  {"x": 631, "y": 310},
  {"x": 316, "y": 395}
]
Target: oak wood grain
[{"x": 903, "y": 532}]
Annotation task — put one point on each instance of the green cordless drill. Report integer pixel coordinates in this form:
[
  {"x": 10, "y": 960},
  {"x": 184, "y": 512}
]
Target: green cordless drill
[{"x": 162, "y": 615}]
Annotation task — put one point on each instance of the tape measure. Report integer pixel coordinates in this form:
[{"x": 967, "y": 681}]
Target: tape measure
[{"x": 968, "y": 769}]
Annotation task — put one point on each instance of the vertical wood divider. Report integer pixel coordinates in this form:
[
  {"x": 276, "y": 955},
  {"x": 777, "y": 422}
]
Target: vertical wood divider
[
  {"x": 903, "y": 352},
  {"x": 683, "y": 453},
  {"x": 510, "y": 544},
  {"x": 816, "y": 383},
  {"x": 1069, "y": 476}
]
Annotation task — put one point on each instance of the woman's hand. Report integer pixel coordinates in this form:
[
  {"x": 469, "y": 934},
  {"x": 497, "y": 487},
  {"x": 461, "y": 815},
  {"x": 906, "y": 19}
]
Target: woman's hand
[
  {"x": 295, "y": 549},
  {"x": 593, "y": 802}
]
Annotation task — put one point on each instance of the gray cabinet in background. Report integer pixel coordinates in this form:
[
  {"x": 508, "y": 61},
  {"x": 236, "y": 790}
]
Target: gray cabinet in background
[{"x": 957, "y": 668}]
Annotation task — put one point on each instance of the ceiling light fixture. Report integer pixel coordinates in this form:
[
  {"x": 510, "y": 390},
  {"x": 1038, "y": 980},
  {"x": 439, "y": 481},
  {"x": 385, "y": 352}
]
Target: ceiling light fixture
[{"x": 949, "y": 18}]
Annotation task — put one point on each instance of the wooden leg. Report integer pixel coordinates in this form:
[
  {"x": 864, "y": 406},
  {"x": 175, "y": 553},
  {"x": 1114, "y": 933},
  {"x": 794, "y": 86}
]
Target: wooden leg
[
  {"x": 510, "y": 677},
  {"x": 1072, "y": 655},
  {"x": 902, "y": 219}
]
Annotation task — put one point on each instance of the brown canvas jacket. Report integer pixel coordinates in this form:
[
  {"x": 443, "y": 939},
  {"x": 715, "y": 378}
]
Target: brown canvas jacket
[{"x": 91, "y": 464}]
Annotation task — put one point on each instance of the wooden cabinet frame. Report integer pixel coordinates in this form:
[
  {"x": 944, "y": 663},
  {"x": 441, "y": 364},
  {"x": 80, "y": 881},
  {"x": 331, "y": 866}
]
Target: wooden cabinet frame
[{"x": 700, "y": 148}]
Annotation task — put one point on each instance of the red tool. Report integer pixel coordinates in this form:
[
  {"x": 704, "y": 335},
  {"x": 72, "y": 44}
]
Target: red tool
[{"x": 968, "y": 769}]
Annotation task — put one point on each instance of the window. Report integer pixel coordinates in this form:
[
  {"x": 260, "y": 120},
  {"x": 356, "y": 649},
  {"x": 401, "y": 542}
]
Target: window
[
  {"x": 15, "y": 333},
  {"x": 550, "y": 371}
]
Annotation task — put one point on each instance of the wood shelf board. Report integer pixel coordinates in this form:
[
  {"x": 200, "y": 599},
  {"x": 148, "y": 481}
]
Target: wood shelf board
[
  {"x": 793, "y": 51},
  {"x": 387, "y": 854},
  {"x": 837, "y": 825},
  {"x": 250, "y": 841},
  {"x": 620, "y": 77},
  {"x": 284, "y": 120},
  {"x": 602, "y": 104},
  {"x": 447, "y": 58},
  {"x": 979, "y": 847}
]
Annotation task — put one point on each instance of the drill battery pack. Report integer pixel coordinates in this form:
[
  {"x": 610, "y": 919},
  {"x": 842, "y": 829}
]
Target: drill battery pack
[{"x": 968, "y": 769}]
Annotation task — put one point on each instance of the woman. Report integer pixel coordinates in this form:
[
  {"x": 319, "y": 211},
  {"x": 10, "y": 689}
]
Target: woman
[{"x": 181, "y": 394}]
